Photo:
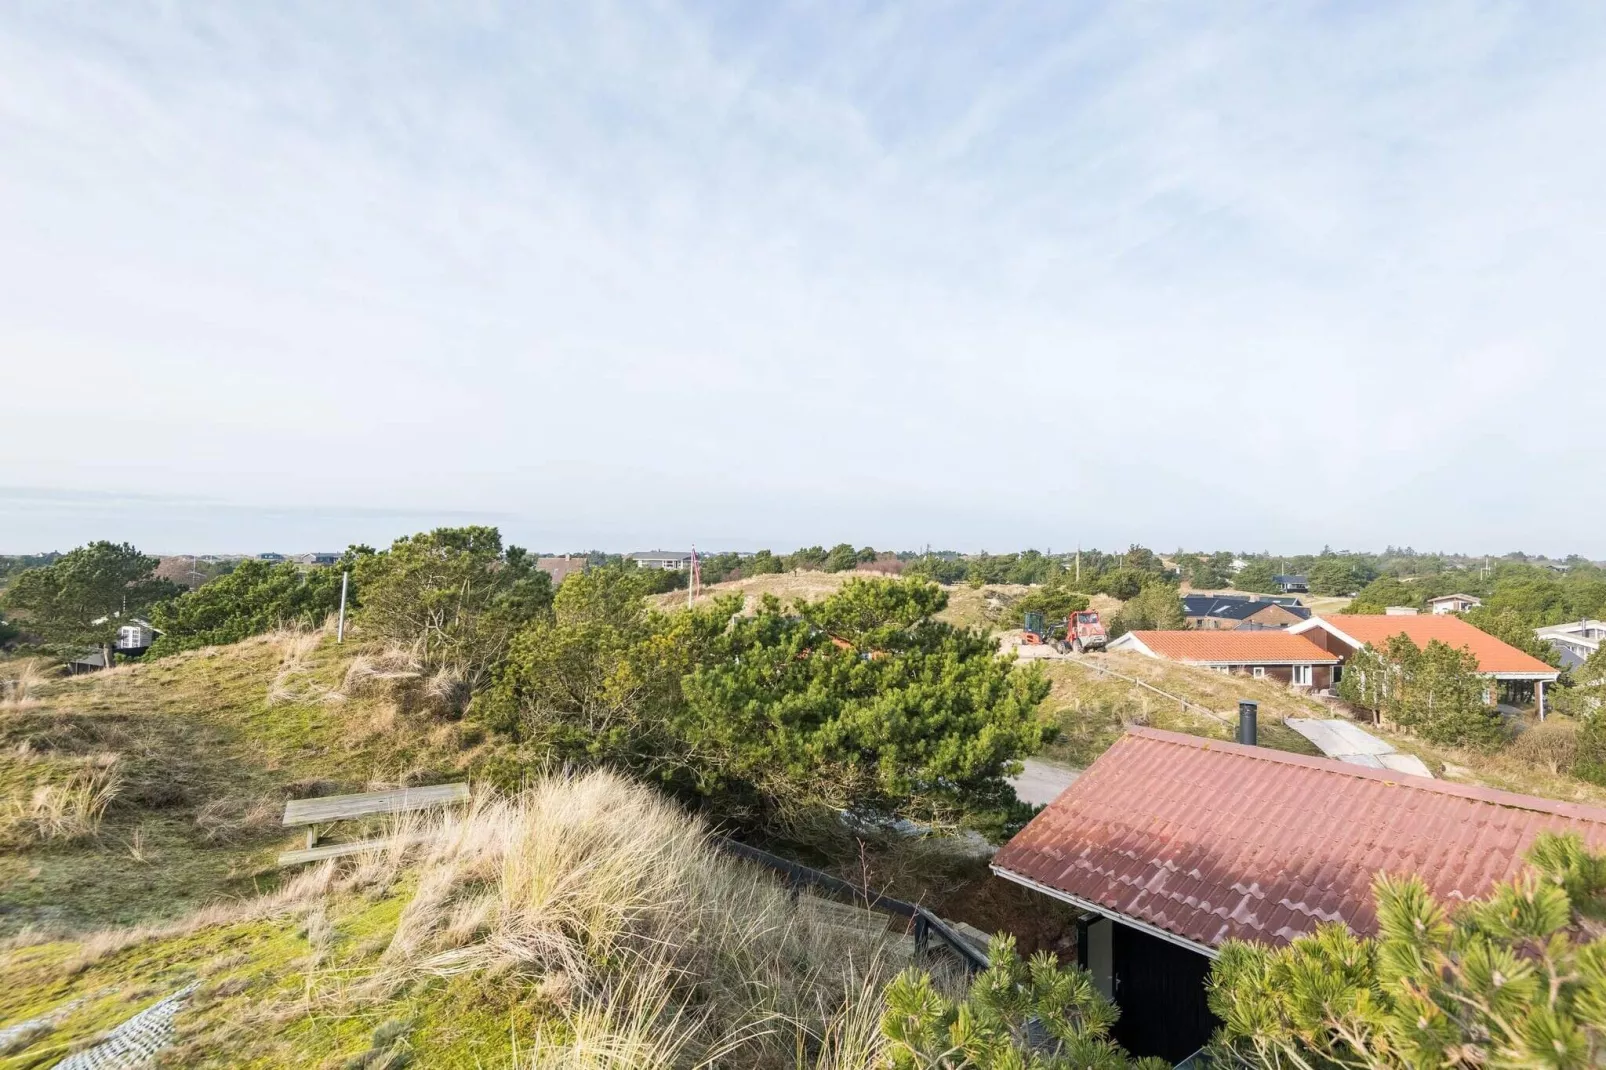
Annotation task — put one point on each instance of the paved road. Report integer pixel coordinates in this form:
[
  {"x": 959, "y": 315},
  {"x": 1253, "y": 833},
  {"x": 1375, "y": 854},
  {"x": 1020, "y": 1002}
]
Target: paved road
[{"x": 1042, "y": 781}]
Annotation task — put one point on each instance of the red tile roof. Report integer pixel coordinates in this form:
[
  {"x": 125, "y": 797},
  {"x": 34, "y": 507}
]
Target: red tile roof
[
  {"x": 1234, "y": 647},
  {"x": 1493, "y": 655},
  {"x": 1209, "y": 840}
]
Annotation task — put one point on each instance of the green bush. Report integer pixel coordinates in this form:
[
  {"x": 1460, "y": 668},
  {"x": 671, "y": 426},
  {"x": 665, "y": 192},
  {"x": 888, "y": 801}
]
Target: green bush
[
  {"x": 1517, "y": 979},
  {"x": 861, "y": 701},
  {"x": 255, "y": 597},
  {"x": 1035, "y": 1015},
  {"x": 1434, "y": 691}
]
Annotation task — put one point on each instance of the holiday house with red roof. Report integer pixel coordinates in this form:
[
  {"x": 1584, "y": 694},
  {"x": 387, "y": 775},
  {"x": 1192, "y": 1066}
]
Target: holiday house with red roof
[
  {"x": 1498, "y": 661},
  {"x": 1273, "y": 654}
]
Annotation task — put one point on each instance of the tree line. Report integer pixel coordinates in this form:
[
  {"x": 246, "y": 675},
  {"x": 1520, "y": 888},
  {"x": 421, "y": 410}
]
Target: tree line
[{"x": 862, "y": 701}]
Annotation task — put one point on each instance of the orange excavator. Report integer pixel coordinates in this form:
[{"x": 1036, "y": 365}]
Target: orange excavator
[{"x": 1081, "y": 631}]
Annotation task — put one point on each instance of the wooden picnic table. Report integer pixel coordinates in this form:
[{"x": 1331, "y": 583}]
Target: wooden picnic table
[{"x": 314, "y": 813}]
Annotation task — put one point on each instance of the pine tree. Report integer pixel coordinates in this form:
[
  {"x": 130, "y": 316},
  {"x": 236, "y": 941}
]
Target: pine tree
[
  {"x": 1035, "y": 1015},
  {"x": 1517, "y": 979}
]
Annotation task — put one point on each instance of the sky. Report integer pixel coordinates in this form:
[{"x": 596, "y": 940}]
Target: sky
[{"x": 633, "y": 275}]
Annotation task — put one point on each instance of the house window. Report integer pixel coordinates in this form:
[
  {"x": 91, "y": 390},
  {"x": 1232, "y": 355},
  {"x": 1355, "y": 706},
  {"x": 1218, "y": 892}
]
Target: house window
[
  {"x": 1258, "y": 671},
  {"x": 1302, "y": 675}
]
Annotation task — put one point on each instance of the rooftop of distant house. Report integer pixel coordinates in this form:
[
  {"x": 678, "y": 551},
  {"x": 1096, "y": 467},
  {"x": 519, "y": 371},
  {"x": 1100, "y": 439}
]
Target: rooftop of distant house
[
  {"x": 1237, "y": 606},
  {"x": 1236, "y": 647},
  {"x": 1495, "y": 657}
]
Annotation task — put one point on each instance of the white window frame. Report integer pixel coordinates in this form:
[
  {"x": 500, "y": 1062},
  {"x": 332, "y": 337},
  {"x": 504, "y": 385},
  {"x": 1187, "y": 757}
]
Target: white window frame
[
  {"x": 1258, "y": 672},
  {"x": 1303, "y": 676}
]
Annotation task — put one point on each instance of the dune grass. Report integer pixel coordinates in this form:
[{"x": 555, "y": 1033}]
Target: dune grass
[
  {"x": 144, "y": 791},
  {"x": 585, "y": 922},
  {"x": 1091, "y": 710}
]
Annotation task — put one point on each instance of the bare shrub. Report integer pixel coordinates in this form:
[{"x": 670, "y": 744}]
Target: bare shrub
[{"x": 1551, "y": 745}]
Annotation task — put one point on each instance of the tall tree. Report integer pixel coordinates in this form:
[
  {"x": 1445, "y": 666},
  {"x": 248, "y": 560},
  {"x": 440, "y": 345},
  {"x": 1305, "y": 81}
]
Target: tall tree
[
  {"x": 83, "y": 597},
  {"x": 456, "y": 593},
  {"x": 1434, "y": 691},
  {"x": 1256, "y": 576}
]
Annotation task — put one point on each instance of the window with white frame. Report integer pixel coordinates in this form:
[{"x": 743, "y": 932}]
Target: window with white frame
[
  {"x": 1302, "y": 675},
  {"x": 1258, "y": 671}
]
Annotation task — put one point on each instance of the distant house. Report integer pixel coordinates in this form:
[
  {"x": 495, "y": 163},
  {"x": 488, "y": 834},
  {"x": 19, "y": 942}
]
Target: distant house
[
  {"x": 1400, "y": 611},
  {"x": 270, "y": 556},
  {"x": 1344, "y": 634},
  {"x": 135, "y": 638},
  {"x": 1575, "y": 640},
  {"x": 318, "y": 559},
  {"x": 665, "y": 559},
  {"x": 1272, "y": 653},
  {"x": 1226, "y": 612},
  {"x": 1171, "y": 845},
  {"x": 560, "y": 567},
  {"x": 1454, "y": 603},
  {"x": 1289, "y": 584}
]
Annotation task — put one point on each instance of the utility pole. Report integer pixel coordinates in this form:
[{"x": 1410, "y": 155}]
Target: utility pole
[
  {"x": 1078, "y": 563},
  {"x": 695, "y": 580},
  {"x": 340, "y": 628}
]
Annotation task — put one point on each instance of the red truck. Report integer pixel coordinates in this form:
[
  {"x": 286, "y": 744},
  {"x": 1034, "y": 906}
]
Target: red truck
[{"x": 1081, "y": 631}]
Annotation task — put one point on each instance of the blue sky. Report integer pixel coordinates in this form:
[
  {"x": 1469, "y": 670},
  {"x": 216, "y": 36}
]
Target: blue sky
[{"x": 980, "y": 276}]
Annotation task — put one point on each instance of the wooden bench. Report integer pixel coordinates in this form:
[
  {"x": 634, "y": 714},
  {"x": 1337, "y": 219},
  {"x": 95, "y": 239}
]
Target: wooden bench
[{"x": 316, "y": 813}]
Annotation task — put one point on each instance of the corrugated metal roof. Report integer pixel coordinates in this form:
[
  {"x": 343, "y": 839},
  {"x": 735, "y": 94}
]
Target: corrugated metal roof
[
  {"x": 1236, "y": 647},
  {"x": 1494, "y": 656},
  {"x": 1209, "y": 840}
]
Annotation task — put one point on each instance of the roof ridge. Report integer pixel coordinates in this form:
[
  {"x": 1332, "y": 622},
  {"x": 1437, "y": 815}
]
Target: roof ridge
[{"x": 1494, "y": 796}]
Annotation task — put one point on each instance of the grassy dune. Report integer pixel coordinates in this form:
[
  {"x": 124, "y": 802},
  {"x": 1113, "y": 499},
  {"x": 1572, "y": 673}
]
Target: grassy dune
[
  {"x": 582, "y": 923},
  {"x": 192, "y": 757}
]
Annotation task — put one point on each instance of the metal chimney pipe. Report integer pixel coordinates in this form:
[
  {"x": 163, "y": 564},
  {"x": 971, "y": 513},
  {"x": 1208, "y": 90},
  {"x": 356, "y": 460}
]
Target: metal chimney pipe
[{"x": 1248, "y": 731}]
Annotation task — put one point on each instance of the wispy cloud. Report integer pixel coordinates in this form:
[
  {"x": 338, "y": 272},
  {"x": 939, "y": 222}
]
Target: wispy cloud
[{"x": 1247, "y": 275}]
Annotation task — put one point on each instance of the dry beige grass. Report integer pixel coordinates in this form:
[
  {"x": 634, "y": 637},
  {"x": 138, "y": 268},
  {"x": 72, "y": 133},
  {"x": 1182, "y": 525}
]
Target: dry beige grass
[
  {"x": 21, "y": 683},
  {"x": 66, "y": 810},
  {"x": 232, "y": 818},
  {"x": 592, "y": 900},
  {"x": 294, "y": 647}
]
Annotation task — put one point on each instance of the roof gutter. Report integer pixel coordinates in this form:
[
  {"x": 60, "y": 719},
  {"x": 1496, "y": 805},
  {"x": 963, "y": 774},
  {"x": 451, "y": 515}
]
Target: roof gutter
[
  {"x": 1256, "y": 661},
  {"x": 1106, "y": 912}
]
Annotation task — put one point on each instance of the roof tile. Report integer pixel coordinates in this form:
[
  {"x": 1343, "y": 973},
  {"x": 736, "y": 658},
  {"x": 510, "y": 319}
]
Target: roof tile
[
  {"x": 1235, "y": 647},
  {"x": 1493, "y": 655},
  {"x": 1211, "y": 840}
]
